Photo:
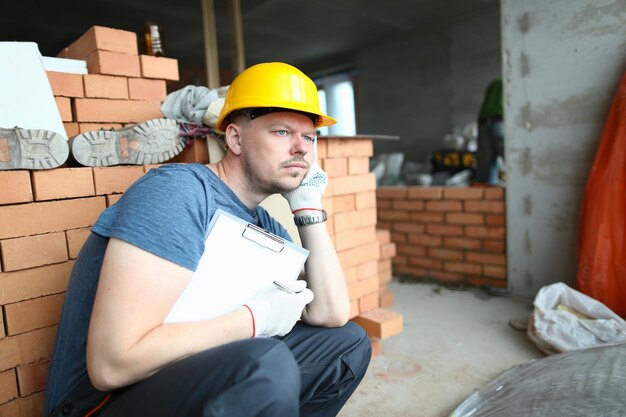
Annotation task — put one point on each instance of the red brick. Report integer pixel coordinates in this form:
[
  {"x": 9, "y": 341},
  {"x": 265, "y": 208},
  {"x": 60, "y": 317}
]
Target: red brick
[
  {"x": 387, "y": 250},
  {"x": 343, "y": 203},
  {"x": 408, "y": 205},
  {"x": 465, "y": 218},
  {"x": 471, "y": 193},
  {"x": 349, "y": 147},
  {"x": 383, "y": 235},
  {"x": 408, "y": 227},
  {"x": 75, "y": 240},
  {"x": 143, "y": 89},
  {"x": 497, "y": 246},
  {"x": 444, "y": 230},
  {"x": 105, "y": 86},
  {"x": 27, "y": 348},
  {"x": 410, "y": 250},
  {"x": 49, "y": 216},
  {"x": 485, "y": 232},
  {"x": 426, "y": 193},
  {"x": 380, "y": 323},
  {"x": 358, "y": 255},
  {"x": 30, "y": 406},
  {"x": 368, "y": 302},
  {"x": 159, "y": 67},
  {"x": 32, "y": 378},
  {"x": 2, "y": 332},
  {"x": 66, "y": 85},
  {"x": 494, "y": 193},
  {"x": 484, "y": 206},
  {"x": 103, "y": 38},
  {"x": 116, "y": 111},
  {"x": 384, "y": 225},
  {"x": 462, "y": 243},
  {"x": 462, "y": 267},
  {"x": 425, "y": 240},
  {"x": 351, "y": 274},
  {"x": 8, "y": 386},
  {"x": 33, "y": 314},
  {"x": 446, "y": 254},
  {"x": 377, "y": 347},
  {"x": 65, "y": 108},
  {"x": 365, "y": 200},
  {"x": 15, "y": 188},
  {"x": 321, "y": 149},
  {"x": 393, "y": 215},
  {"x": 445, "y": 205},
  {"x": 32, "y": 251},
  {"x": 367, "y": 269},
  {"x": 386, "y": 298},
  {"x": 197, "y": 151},
  {"x": 446, "y": 276},
  {"x": 113, "y": 63},
  {"x": 494, "y": 271},
  {"x": 109, "y": 180},
  {"x": 399, "y": 192},
  {"x": 427, "y": 217},
  {"x": 410, "y": 271},
  {"x": 495, "y": 220},
  {"x": 385, "y": 276},
  {"x": 358, "y": 165},
  {"x": 62, "y": 183},
  {"x": 71, "y": 129},
  {"x": 486, "y": 258},
  {"x": 427, "y": 263},
  {"x": 32, "y": 283},
  {"x": 354, "y": 237},
  {"x": 398, "y": 237},
  {"x": 489, "y": 282},
  {"x": 336, "y": 167},
  {"x": 353, "y": 184},
  {"x": 354, "y": 220}
]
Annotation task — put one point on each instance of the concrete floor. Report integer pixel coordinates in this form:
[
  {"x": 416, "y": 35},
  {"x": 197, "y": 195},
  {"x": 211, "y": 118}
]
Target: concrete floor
[{"x": 453, "y": 343}]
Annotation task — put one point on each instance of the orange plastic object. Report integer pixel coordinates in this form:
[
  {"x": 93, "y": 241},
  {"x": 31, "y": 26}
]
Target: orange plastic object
[{"x": 602, "y": 237}]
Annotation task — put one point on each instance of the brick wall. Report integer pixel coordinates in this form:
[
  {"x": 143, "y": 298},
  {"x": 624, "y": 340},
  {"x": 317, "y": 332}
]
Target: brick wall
[{"x": 448, "y": 234}]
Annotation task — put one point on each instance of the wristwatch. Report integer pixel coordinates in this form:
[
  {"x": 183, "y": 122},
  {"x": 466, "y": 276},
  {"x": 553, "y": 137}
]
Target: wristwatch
[{"x": 310, "y": 219}]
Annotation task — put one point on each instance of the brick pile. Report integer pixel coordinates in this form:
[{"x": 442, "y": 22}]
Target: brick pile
[
  {"x": 452, "y": 235},
  {"x": 121, "y": 87}
]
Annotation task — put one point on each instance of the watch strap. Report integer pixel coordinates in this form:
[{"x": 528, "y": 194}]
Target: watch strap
[{"x": 311, "y": 219}]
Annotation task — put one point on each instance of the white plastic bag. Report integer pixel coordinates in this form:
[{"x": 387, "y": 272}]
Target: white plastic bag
[{"x": 565, "y": 319}]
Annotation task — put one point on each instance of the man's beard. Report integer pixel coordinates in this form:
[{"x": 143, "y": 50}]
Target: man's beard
[{"x": 274, "y": 186}]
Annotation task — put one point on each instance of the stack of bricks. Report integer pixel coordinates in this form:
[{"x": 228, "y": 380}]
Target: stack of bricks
[
  {"x": 121, "y": 87},
  {"x": 451, "y": 235}
]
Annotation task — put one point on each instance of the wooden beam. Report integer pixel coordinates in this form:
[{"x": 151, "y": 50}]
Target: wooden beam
[
  {"x": 239, "y": 60},
  {"x": 210, "y": 44}
]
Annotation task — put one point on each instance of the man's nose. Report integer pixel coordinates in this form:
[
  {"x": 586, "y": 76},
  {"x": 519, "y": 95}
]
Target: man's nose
[{"x": 300, "y": 145}]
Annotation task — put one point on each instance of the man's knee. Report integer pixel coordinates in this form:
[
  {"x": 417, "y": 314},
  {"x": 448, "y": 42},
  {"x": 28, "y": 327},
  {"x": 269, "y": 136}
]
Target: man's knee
[
  {"x": 359, "y": 358},
  {"x": 277, "y": 378}
]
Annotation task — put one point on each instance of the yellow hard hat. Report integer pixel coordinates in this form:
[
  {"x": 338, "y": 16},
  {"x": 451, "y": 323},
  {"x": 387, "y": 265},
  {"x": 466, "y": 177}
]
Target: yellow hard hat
[{"x": 273, "y": 85}]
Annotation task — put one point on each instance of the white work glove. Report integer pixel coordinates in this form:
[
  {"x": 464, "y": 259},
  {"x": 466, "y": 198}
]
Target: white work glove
[
  {"x": 309, "y": 194},
  {"x": 275, "y": 312}
]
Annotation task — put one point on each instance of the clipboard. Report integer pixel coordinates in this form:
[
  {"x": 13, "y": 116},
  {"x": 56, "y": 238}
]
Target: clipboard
[{"x": 239, "y": 260}]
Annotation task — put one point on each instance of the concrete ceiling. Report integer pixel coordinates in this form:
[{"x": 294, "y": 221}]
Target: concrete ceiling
[{"x": 312, "y": 34}]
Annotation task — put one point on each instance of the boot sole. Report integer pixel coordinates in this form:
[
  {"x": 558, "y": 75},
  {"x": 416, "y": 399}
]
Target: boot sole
[
  {"x": 150, "y": 142},
  {"x": 32, "y": 149}
]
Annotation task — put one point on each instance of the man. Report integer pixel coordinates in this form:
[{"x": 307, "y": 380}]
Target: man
[{"x": 115, "y": 357}]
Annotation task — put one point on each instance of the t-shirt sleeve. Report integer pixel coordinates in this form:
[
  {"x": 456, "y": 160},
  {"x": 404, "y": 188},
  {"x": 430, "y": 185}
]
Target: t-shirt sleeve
[
  {"x": 163, "y": 213},
  {"x": 272, "y": 225}
]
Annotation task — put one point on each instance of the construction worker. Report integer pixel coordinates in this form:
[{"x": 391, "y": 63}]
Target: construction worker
[
  {"x": 278, "y": 354},
  {"x": 490, "y": 135}
]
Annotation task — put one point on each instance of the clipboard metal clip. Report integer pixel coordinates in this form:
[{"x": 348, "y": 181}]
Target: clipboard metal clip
[{"x": 263, "y": 238}]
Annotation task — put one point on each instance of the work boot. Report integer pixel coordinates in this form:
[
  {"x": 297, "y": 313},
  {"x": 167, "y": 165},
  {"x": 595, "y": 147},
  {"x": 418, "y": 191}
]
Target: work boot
[
  {"x": 150, "y": 142},
  {"x": 31, "y": 149}
]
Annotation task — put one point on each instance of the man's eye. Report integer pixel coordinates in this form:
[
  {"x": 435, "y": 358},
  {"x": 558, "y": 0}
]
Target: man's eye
[
  {"x": 282, "y": 132},
  {"x": 309, "y": 138}
]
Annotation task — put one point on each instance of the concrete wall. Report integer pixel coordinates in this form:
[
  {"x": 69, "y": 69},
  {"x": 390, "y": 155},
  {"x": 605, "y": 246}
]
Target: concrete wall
[
  {"x": 423, "y": 86},
  {"x": 563, "y": 60}
]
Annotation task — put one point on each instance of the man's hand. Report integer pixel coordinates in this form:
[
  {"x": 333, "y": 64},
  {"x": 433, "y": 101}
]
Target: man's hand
[
  {"x": 275, "y": 312},
  {"x": 309, "y": 194}
]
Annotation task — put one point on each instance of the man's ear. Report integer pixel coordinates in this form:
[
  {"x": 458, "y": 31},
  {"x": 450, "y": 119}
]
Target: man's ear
[{"x": 232, "y": 136}]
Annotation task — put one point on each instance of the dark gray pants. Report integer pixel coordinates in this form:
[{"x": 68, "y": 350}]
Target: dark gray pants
[{"x": 310, "y": 372}]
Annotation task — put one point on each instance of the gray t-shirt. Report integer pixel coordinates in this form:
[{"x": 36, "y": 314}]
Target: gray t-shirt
[{"x": 166, "y": 212}]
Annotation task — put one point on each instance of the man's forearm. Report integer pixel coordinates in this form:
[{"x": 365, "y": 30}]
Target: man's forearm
[{"x": 324, "y": 275}]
